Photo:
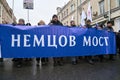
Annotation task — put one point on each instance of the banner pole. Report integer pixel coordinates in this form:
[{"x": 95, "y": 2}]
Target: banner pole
[
  {"x": 28, "y": 15},
  {"x": 109, "y": 10},
  {"x": 77, "y": 13}
]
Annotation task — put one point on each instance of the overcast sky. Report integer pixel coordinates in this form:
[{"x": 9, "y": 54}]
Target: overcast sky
[{"x": 43, "y": 9}]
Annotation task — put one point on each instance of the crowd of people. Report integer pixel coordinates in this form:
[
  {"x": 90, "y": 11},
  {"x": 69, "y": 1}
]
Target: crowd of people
[{"x": 59, "y": 61}]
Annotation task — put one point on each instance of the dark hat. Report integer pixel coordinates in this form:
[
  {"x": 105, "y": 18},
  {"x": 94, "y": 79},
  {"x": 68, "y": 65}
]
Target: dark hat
[
  {"x": 101, "y": 25},
  {"x": 55, "y": 16},
  {"x": 109, "y": 22},
  {"x": 88, "y": 21}
]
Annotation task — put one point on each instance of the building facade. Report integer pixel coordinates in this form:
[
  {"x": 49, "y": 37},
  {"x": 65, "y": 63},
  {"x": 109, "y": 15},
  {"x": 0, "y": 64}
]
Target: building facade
[
  {"x": 67, "y": 12},
  {"x": 6, "y": 13},
  {"x": 102, "y": 11}
]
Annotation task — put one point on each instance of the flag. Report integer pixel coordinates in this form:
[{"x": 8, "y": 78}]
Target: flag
[
  {"x": 28, "y": 4},
  {"x": 83, "y": 17},
  {"x": 72, "y": 18},
  {"x": 89, "y": 12}
]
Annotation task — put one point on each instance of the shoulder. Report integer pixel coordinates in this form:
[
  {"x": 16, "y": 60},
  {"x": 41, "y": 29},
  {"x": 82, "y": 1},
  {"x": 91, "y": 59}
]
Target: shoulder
[
  {"x": 60, "y": 23},
  {"x": 105, "y": 28}
]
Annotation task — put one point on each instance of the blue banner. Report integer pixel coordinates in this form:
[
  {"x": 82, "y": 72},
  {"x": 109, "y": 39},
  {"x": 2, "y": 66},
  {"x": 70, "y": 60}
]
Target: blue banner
[{"x": 54, "y": 41}]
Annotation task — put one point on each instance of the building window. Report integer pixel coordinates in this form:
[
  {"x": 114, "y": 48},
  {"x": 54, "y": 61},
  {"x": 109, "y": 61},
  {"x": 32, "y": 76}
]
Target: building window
[
  {"x": 117, "y": 23},
  {"x": 67, "y": 12},
  {"x": 72, "y": 7},
  {"x": 118, "y": 3},
  {"x": 81, "y": 1},
  {"x": 59, "y": 17},
  {"x": 101, "y": 5},
  {"x": 0, "y": 11},
  {"x": 62, "y": 15}
]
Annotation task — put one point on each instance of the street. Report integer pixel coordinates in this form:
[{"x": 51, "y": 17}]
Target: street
[{"x": 107, "y": 70}]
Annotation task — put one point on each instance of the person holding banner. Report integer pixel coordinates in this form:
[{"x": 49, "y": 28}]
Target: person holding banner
[
  {"x": 89, "y": 58},
  {"x": 72, "y": 24},
  {"x": 21, "y": 22},
  {"x": 55, "y": 21},
  {"x": 100, "y": 27},
  {"x": 44, "y": 61},
  {"x": 19, "y": 60},
  {"x": 110, "y": 28}
]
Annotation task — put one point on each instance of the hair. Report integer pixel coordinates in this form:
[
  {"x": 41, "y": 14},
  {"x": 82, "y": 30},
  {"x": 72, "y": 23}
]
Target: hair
[
  {"x": 88, "y": 21},
  {"x": 101, "y": 25},
  {"x": 41, "y": 21},
  {"x": 55, "y": 16},
  {"x": 72, "y": 21},
  {"x": 22, "y": 20},
  {"x": 109, "y": 22}
]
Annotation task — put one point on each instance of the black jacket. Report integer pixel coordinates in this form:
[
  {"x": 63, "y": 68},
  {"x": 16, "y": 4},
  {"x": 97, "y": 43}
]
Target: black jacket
[
  {"x": 56, "y": 23},
  {"x": 88, "y": 26},
  {"x": 109, "y": 29},
  {"x": 72, "y": 26}
]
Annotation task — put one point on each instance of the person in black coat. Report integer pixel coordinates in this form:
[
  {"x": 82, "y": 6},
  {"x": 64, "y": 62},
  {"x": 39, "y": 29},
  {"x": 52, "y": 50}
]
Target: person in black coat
[
  {"x": 55, "y": 21},
  {"x": 110, "y": 28}
]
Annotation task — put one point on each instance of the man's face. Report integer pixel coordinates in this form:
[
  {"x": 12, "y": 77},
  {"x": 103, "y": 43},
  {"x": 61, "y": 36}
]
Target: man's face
[
  {"x": 72, "y": 23},
  {"x": 89, "y": 23},
  {"x": 109, "y": 25},
  {"x": 55, "y": 19}
]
